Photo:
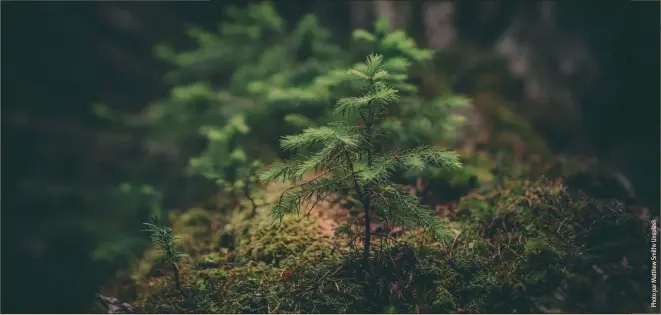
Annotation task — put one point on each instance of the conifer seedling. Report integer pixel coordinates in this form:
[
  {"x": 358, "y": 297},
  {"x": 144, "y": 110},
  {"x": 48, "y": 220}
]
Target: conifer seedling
[
  {"x": 164, "y": 239},
  {"x": 349, "y": 155},
  {"x": 249, "y": 176},
  {"x": 225, "y": 161}
]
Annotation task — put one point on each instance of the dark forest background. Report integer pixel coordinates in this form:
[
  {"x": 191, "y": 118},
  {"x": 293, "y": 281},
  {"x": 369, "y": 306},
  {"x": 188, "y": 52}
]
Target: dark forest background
[{"x": 58, "y": 58}]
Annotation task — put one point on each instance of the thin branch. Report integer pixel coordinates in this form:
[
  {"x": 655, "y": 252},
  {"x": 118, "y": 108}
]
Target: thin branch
[{"x": 308, "y": 181}]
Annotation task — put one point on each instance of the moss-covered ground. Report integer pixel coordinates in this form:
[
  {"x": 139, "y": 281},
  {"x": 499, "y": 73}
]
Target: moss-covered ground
[{"x": 526, "y": 240}]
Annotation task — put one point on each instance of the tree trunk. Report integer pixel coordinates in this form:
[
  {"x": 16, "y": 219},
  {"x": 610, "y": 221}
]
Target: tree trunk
[
  {"x": 360, "y": 14},
  {"x": 438, "y": 19},
  {"x": 397, "y": 12}
]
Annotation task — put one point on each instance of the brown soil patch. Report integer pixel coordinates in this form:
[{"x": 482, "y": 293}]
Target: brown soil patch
[{"x": 329, "y": 215}]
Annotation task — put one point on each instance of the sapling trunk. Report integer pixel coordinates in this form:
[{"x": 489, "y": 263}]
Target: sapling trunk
[
  {"x": 177, "y": 282},
  {"x": 368, "y": 231},
  {"x": 172, "y": 257},
  {"x": 246, "y": 191},
  {"x": 366, "y": 209},
  {"x": 369, "y": 122}
]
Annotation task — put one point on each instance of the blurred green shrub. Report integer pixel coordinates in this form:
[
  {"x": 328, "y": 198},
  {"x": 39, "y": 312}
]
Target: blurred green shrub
[{"x": 255, "y": 79}]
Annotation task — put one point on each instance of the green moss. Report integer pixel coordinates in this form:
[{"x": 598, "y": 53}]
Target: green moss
[
  {"x": 300, "y": 289},
  {"x": 524, "y": 246},
  {"x": 530, "y": 238},
  {"x": 198, "y": 230},
  {"x": 256, "y": 288},
  {"x": 147, "y": 266},
  {"x": 192, "y": 222},
  {"x": 261, "y": 238},
  {"x": 212, "y": 260}
]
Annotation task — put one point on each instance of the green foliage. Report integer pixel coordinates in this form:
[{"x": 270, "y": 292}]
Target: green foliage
[
  {"x": 523, "y": 247},
  {"x": 414, "y": 121},
  {"x": 164, "y": 240},
  {"x": 225, "y": 162},
  {"x": 351, "y": 153},
  {"x": 281, "y": 79},
  {"x": 273, "y": 71},
  {"x": 278, "y": 78},
  {"x": 222, "y": 154},
  {"x": 427, "y": 122},
  {"x": 517, "y": 245},
  {"x": 399, "y": 52}
]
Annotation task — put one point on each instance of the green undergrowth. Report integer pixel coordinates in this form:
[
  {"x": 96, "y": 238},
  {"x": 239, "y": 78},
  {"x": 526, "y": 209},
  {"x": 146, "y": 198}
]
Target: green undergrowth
[
  {"x": 522, "y": 246},
  {"x": 522, "y": 243}
]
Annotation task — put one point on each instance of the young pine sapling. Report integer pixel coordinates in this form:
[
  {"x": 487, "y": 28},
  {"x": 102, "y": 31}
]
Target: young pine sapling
[
  {"x": 164, "y": 239},
  {"x": 225, "y": 162},
  {"x": 351, "y": 156},
  {"x": 248, "y": 178}
]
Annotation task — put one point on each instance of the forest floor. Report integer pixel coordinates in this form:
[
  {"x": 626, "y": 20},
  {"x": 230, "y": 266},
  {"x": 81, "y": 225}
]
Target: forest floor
[{"x": 529, "y": 234}]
